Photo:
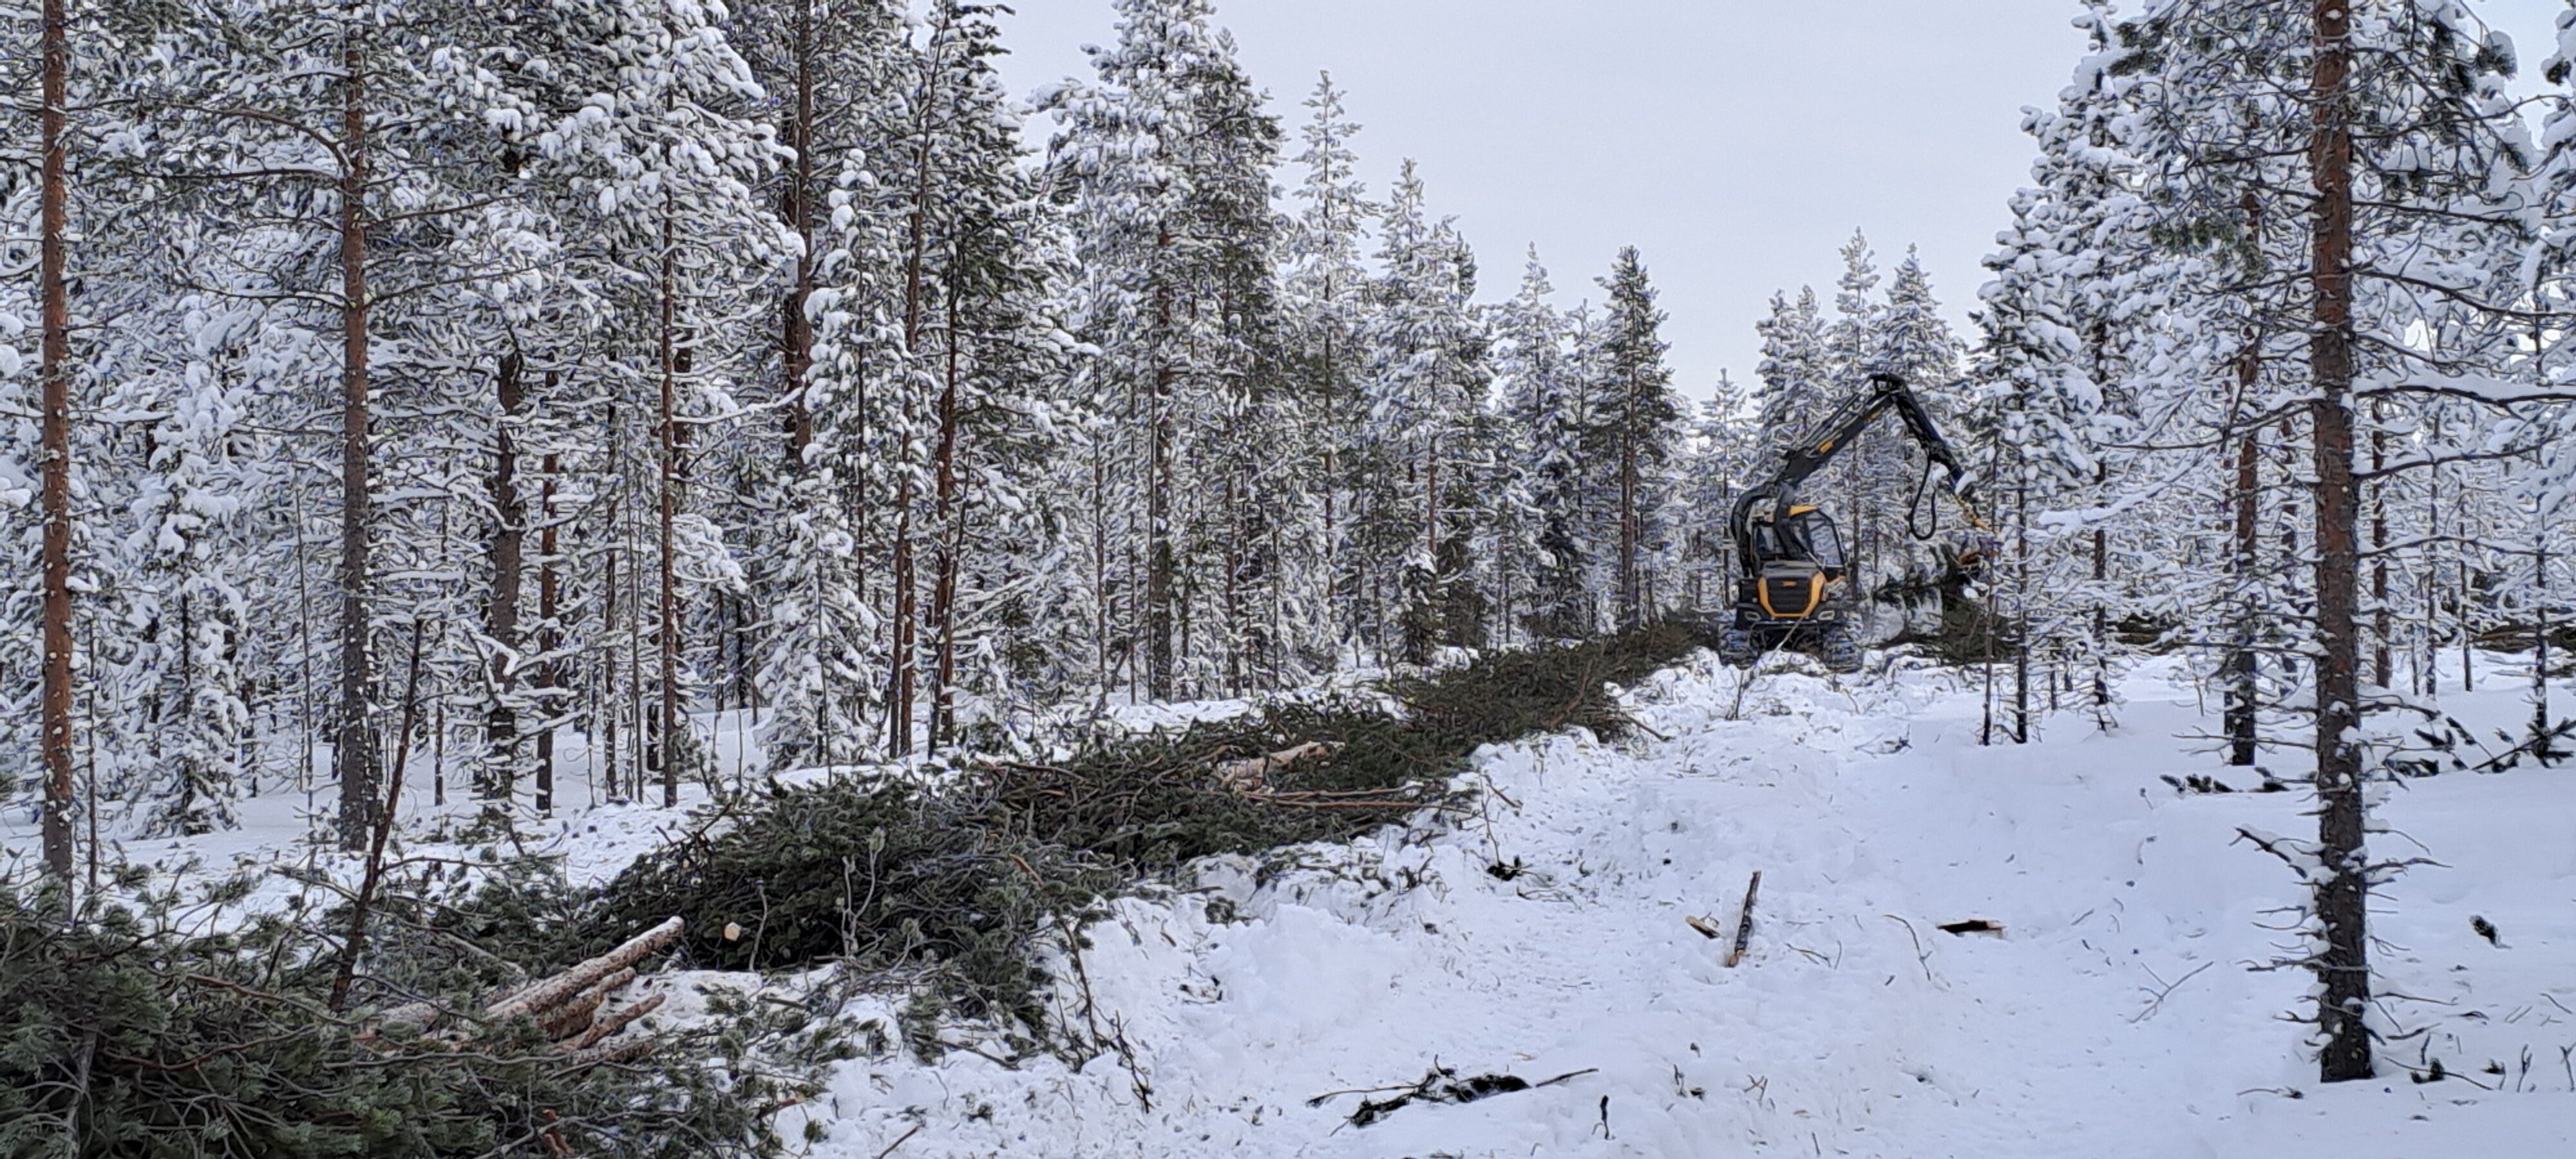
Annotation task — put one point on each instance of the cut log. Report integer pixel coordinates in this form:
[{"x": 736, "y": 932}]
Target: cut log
[
  {"x": 1252, "y": 774},
  {"x": 538, "y": 1000},
  {"x": 614, "y": 1021},
  {"x": 572, "y": 1018}
]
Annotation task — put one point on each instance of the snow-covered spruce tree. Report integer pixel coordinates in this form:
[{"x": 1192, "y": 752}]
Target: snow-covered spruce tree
[
  {"x": 184, "y": 595},
  {"x": 1795, "y": 388},
  {"x": 2392, "y": 147},
  {"x": 802, "y": 630},
  {"x": 1425, "y": 384},
  {"x": 1324, "y": 283},
  {"x": 2025, "y": 364},
  {"x": 1642, "y": 419},
  {"x": 1916, "y": 342},
  {"x": 1165, "y": 165},
  {"x": 1721, "y": 454},
  {"x": 1549, "y": 411}
]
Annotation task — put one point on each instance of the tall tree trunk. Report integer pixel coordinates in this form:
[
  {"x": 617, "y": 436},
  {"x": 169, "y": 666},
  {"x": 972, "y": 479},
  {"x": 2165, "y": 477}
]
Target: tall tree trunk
[
  {"x": 2342, "y": 899},
  {"x": 1629, "y": 612},
  {"x": 2243, "y": 689},
  {"x": 796, "y": 334},
  {"x": 355, "y": 755},
  {"x": 2380, "y": 661},
  {"x": 2243, "y": 666},
  {"x": 501, "y": 615},
  {"x": 2021, "y": 597},
  {"x": 549, "y": 632},
  {"x": 951, "y": 529},
  {"x": 667, "y": 723},
  {"x": 903, "y": 681},
  {"x": 55, "y": 370},
  {"x": 1159, "y": 564}
]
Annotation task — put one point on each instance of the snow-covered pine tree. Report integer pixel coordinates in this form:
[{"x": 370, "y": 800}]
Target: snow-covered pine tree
[
  {"x": 1722, "y": 452},
  {"x": 1642, "y": 418},
  {"x": 2391, "y": 123}
]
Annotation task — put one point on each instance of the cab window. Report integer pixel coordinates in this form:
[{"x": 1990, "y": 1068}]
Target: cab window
[{"x": 1823, "y": 543}]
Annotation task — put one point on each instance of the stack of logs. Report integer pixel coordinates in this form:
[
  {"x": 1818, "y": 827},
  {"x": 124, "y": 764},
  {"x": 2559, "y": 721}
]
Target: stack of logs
[{"x": 567, "y": 1006}]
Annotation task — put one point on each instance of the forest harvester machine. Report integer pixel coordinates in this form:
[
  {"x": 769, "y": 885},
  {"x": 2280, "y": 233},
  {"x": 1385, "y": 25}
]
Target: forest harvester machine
[{"x": 1796, "y": 588}]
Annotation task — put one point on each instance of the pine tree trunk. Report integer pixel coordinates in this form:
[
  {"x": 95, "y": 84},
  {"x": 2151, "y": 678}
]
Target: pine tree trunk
[
  {"x": 2244, "y": 671},
  {"x": 355, "y": 753},
  {"x": 666, "y": 632},
  {"x": 796, "y": 334},
  {"x": 2343, "y": 895},
  {"x": 951, "y": 529},
  {"x": 2021, "y": 598},
  {"x": 1159, "y": 564},
  {"x": 902, "y": 681},
  {"x": 501, "y": 615},
  {"x": 1628, "y": 605},
  {"x": 56, "y": 370},
  {"x": 2243, "y": 690},
  {"x": 549, "y": 633}
]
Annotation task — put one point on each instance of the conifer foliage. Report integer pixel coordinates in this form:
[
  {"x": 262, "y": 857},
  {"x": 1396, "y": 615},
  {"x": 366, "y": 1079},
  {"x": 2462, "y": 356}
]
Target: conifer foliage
[{"x": 521, "y": 393}]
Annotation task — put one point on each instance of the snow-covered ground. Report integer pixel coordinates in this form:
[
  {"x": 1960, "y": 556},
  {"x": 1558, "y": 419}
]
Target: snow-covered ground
[{"x": 2118, "y": 1014}]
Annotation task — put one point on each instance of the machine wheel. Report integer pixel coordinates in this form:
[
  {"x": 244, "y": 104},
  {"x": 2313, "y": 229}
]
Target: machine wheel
[
  {"x": 1735, "y": 647},
  {"x": 1840, "y": 652}
]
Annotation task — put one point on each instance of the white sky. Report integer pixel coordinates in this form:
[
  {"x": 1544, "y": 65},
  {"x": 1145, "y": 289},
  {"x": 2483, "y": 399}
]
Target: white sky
[{"x": 1736, "y": 142}]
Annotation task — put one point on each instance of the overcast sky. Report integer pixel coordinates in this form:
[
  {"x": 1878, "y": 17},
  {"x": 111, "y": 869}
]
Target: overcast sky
[{"x": 1736, "y": 142}]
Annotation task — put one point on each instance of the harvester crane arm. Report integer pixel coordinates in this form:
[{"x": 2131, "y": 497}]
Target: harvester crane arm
[{"x": 1887, "y": 392}]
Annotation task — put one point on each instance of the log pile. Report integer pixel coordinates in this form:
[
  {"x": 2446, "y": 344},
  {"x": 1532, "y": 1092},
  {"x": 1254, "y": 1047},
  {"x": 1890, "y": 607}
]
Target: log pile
[{"x": 568, "y": 1007}]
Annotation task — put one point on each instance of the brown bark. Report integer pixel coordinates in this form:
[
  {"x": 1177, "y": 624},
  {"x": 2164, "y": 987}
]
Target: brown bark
[
  {"x": 797, "y": 333},
  {"x": 1159, "y": 565},
  {"x": 355, "y": 753},
  {"x": 951, "y": 525},
  {"x": 55, "y": 371},
  {"x": 2342, "y": 899},
  {"x": 501, "y": 615},
  {"x": 667, "y": 723},
  {"x": 1630, "y": 613},
  {"x": 549, "y": 633},
  {"x": 2243, "y": 723},
  {"x": 2242, "y": 737}
]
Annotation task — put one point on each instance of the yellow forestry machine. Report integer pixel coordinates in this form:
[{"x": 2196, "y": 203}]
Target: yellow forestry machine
[{"x": 1796, "y": 590}]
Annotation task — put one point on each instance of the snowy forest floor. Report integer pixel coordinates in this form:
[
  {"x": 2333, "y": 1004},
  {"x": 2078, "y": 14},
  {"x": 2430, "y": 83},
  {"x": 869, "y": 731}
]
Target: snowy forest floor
[
  {"x": 2116, "y": 1015},
  {"x": 2119, "y": 1013}
]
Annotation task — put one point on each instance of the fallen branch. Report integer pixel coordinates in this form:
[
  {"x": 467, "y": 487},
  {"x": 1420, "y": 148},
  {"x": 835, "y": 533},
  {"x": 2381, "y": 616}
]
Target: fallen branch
[
  {"x": 1744, "y": 921},
  {"x": 2160, "y": 995},
  {"x": 1441, "y": 1085},
  {"x": 1922, "y": 957}
]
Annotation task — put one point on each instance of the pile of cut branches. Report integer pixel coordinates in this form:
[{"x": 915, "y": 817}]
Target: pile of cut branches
[
  {"x": 159, "y": 1031},
  {"x": 960, "y": 878}
]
